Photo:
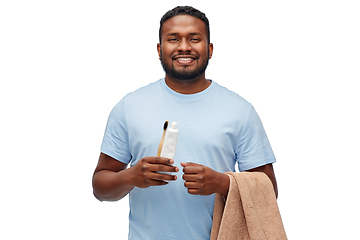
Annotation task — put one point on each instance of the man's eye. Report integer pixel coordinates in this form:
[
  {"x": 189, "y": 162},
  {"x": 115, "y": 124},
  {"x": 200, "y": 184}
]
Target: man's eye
[
  {"x": 172, "y": 39},
  {"x": 195, "y": 40}
]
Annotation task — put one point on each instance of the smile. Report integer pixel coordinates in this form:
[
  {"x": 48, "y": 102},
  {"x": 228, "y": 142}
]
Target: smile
[{"x": 184, "y": 59}]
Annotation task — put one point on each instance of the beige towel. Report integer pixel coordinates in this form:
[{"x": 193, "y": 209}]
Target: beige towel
[{"x": 250, "y": 211}]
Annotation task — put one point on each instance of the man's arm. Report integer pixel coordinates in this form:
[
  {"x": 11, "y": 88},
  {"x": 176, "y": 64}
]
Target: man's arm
[
  {"x": 202, "y": 180},
  {"x": 112, "y": 180},
  {"x": 269, "y": 171}
]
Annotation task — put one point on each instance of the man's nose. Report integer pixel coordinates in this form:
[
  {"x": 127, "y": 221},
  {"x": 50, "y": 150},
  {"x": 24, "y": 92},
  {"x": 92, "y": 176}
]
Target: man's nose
[{"x": 184, "y": 46}]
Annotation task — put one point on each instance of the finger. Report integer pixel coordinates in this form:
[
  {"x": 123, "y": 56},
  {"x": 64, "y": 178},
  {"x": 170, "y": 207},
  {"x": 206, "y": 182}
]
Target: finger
[
  {"x": 194, "y": 191},
  {"x": 162, "y": 168},
  {"x": 159, "y": 160},
  {"x": 189, "y": 164},
  {"x": 192, "y": 185},
  {"x": 193, "y": 169},
  {"x": 150, "y": 182},
  {"x": 162, "y": 177},
  {"x": 190, "y": 177}
]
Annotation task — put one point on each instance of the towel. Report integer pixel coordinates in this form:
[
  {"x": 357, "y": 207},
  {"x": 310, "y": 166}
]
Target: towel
[{"x": 250, "y": 211}]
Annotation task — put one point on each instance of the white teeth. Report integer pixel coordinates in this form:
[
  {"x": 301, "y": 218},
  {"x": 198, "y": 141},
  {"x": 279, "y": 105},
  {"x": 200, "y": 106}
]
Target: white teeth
[{"x": 184, "y": 59}]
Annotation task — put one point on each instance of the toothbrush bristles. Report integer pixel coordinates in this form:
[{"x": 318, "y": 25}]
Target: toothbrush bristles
[{"x": 166, "y": 125}]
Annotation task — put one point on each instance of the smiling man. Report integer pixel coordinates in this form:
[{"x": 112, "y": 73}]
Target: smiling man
[
  {"x": 217, "y": 130},
  {"x": 184, "y": 49}
]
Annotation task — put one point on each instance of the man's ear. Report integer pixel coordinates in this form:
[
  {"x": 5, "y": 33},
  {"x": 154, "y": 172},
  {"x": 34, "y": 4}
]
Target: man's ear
[
  {"x": 159, "y": 50},
  {"x": 211, "y": 49}
]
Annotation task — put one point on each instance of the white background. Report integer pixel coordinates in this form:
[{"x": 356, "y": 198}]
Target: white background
[{"x": 65, "y": 64}]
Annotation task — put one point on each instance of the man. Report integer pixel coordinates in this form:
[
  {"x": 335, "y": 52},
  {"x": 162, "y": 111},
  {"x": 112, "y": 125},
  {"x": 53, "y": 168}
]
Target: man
[{"x": 217, "y": 129}]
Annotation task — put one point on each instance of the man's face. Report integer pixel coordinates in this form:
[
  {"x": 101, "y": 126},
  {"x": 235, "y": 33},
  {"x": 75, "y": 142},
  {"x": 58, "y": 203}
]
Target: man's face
[{"x": 184, "y": 50}]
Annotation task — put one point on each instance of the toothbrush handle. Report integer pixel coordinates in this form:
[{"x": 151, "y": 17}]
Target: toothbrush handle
[{"x": 161, "y": 144}]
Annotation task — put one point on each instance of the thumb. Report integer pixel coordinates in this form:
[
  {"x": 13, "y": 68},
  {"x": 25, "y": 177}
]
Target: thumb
[{"x": 189, "y": 164}]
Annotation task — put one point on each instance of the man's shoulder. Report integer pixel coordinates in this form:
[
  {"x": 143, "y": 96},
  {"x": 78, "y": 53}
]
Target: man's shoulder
[
  {"x": 151, "y": 88},
  {"x": 231, "y": 95},
  {"x": 138, "y": 96}
]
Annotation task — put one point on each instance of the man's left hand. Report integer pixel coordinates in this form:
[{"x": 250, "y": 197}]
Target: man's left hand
[{"x": 202, "y": 180}]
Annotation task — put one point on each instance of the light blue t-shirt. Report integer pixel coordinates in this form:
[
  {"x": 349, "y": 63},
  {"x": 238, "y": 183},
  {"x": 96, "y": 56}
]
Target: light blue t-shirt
[{"x": 217, "y": 128}]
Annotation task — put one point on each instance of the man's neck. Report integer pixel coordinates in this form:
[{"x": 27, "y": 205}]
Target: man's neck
[{"x": 188, "y": 86}]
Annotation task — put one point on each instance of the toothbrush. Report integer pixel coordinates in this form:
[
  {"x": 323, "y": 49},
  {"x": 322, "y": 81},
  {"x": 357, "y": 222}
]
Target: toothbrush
[{"x": 162, "y": 139}]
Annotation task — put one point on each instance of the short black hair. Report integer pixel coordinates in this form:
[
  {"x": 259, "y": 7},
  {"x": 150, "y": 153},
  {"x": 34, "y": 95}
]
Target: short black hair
[{"x": 185, "y": 10}]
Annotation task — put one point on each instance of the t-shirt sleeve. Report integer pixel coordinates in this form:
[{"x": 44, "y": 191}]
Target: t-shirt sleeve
[
  {"x": 115, "y": 142},
  {"x": 254, "y": 148}
]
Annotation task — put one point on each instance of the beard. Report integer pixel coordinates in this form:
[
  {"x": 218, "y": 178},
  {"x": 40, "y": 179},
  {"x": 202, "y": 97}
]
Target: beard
[{"x": 184, "y": 74}]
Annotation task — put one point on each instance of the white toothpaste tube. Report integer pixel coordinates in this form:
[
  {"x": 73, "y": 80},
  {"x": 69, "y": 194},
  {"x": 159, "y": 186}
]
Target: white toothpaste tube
[{"x": 170, "y": 142}]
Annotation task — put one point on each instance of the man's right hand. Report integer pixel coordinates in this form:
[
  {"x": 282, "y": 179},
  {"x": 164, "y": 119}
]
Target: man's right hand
[{"x": 146, "y": 172}]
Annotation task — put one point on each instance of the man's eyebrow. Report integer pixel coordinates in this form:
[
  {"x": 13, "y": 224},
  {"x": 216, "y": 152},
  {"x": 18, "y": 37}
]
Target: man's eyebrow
[
  {"x": 195, "y": 33},
  {"x": 171, "y": 34},
  {"x": 175, "y": 33}
]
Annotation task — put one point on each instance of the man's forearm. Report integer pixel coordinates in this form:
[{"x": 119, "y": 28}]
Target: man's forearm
[
  {"x": 111, "y": 186},
  {"x": 224, "y": 185}
]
